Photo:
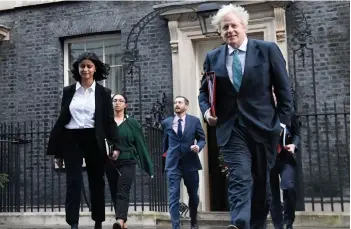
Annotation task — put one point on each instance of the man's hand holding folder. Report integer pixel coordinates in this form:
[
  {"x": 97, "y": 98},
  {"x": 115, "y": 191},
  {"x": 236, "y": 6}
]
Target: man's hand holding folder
[{"x": 210, "y": 114}]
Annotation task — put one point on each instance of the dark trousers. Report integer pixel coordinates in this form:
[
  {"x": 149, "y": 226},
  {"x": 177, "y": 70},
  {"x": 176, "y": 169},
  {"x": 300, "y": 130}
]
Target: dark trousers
[
  {"x": 120, "y": 185},
  {"x": 248, "y": 183},
  {"x": 81, "y": 144},
  {"x": 287, "y": 171},
  {"x": 191, "y": 182}
]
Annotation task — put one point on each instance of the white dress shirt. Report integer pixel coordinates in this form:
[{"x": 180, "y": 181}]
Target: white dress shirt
[
  {"x": 229, "y": 60},
  {"x": 82, "y": 107}
]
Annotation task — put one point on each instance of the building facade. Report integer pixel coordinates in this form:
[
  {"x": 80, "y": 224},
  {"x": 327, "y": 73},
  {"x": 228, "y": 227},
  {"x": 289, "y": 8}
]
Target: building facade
[{"x": 41, "y": 40}]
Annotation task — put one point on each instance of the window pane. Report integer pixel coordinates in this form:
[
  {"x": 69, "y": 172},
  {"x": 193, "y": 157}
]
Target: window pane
[
  {"x": 74, "y": 50},
  {"x": 70, "y": 78},
  {"x": 96, "y": 47},
  {"x": 114, "y": 80},
  {"x": 113, "y": 51}
]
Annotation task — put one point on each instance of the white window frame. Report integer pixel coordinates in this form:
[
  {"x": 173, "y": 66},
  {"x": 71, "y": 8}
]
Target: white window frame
[{"x": 66, "y": 64}]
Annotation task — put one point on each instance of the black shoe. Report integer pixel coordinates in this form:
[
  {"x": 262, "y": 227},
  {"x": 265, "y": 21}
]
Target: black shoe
[
  {"x": 74, "y": 226},
  {"x": 98, "y": 225},
  {"x": 194, "y": 226},
  {"x": 116, "y": 225},
  {"x": 232, "y": 227},
  {"x": 289, "y": 226}
]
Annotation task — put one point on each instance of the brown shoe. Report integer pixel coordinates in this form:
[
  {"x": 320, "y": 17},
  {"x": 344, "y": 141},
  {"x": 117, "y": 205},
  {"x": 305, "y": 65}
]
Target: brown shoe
[{"x": 116, "y": 225}]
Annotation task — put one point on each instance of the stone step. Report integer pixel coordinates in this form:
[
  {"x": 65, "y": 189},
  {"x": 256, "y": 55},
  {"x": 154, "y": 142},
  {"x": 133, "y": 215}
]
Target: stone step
[{"x": 149, "y": 218}]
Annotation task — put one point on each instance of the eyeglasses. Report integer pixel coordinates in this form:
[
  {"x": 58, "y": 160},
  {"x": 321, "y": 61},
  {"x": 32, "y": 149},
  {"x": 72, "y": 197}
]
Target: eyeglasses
[{"x": 118, "y": 101}]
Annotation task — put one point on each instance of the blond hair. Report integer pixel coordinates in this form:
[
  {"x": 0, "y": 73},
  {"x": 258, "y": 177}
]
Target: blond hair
[{"x": 239, "y": 11}]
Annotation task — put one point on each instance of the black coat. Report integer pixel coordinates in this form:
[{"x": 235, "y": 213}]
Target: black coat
[{"x": 105, "y": 126}]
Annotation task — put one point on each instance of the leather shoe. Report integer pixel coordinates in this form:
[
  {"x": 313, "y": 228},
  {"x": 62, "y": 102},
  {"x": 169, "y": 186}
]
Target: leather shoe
[
  {"x": 194, "y": 226},
  {"x": 98, "y": 225},
  {"x": 74, "y": 226},
  {"x": 232, "y": 227},
  {"x": 116, "y": 225}
]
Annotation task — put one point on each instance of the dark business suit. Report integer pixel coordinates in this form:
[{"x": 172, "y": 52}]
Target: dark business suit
[
  {"x": 73, "y": 146},
  {"x": 285, "y": 166},
  {"x": 181, "y": 162},
  {"x": 248, "y": 125}
]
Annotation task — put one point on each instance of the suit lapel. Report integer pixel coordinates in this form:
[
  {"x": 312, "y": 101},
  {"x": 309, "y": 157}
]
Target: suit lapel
[
  {"x": 220, "y": 67},
  {"x": 170, "y": 123},
  {"x": 251, "y": 59},
  {"x": 99, "y": 102},
  {"x": 187, "y": 125},
  {"x": 68, "y": 101}
]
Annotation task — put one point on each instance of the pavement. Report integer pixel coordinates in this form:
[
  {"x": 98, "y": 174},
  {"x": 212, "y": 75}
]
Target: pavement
[{"x": 136, "y": 227}]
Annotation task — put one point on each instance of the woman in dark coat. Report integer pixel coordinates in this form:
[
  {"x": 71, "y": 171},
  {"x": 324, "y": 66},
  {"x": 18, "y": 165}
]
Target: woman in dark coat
[
  {"x": 134, "y": 149},
  {"x": 85, "y": 121}
]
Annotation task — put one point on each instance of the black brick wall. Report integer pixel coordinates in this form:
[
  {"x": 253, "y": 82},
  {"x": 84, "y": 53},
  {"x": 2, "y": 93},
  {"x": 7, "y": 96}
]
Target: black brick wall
[
  {"x": 31, "y": 74},
  {"x": 31, "y": 68},
  {"x": 324, "y": 145}
]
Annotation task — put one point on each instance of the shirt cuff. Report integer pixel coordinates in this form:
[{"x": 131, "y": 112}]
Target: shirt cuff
[{"x": 207, "y": 114}]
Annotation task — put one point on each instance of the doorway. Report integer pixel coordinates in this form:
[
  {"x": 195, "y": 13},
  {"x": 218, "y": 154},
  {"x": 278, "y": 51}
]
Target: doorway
[{"x": 218, "y": 200}]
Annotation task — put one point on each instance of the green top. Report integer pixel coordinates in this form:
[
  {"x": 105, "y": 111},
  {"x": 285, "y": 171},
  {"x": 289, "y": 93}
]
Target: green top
[{"x": 133, "y": 146}]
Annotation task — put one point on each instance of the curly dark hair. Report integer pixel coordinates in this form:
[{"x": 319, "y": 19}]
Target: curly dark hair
[{"x": 102, "y": 69}]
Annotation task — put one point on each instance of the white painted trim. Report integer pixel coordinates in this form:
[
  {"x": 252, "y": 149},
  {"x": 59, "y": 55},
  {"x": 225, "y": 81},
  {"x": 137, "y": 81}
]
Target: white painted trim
[
  {"x": 6, "y": 5},
  {"x": 4, "y": 33},
  {"x": 66, "y": 66}
]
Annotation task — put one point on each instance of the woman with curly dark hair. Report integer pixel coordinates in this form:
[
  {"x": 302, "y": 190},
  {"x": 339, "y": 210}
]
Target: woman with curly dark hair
[{"x": 85, "y": 123}]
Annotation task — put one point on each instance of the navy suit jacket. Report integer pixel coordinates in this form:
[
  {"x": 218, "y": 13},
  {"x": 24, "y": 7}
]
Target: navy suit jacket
[
  {"x": 254, "y": 104},
  {"x": 179, "y": 148},
  {"x": 294, "y": 132}
]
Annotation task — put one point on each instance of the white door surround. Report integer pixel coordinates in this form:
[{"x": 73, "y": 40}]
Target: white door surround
[{"x": 186, "y": 38}]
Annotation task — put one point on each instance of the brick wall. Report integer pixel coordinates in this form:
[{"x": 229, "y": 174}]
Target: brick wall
[
  {"x": 31, "y": 66},
  {"x": 324, "y": 77}
]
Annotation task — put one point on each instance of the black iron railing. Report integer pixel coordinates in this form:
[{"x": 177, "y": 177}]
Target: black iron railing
[
  {"x": 36, "y": 184},
  {"x": 324, "y": 171}
]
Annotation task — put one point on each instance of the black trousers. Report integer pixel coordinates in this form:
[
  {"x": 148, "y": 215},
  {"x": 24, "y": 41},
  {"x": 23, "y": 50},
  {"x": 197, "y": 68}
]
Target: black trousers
[
  {"x": 284, "y": 167},
  {"x": 79, "y": 144},
  {"x": 120, "y": 185}
]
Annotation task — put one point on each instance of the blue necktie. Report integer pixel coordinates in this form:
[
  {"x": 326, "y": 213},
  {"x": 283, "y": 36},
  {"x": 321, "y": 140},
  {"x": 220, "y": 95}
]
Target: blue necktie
[
  {"x": 237, "y": 71},
  {"x": 179, "y": 131}
]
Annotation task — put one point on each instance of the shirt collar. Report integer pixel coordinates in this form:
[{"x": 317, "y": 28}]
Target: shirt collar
[
  {"x": 243, "y": 47},
  {"x": 92, "y": 87},
  {"x": 176, "y": 118}
]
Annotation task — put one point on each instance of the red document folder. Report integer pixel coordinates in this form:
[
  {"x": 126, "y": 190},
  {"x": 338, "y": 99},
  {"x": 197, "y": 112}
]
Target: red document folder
[{"x": 211, "y": 82}]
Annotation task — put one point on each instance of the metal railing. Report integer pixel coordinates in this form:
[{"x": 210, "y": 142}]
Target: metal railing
[
  {"x": 324, "y": 166},
  {"x": 36, "y": 184}
]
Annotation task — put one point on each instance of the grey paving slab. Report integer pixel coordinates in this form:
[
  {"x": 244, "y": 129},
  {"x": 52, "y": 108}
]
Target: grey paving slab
[{"x": 133, "y": 227}]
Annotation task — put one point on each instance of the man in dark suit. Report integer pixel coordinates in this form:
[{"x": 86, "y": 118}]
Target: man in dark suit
[
  {"x": 285, "y": 167},
  {"x": 247, "y": 122},
  {"x": 182, "y": 160}
]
